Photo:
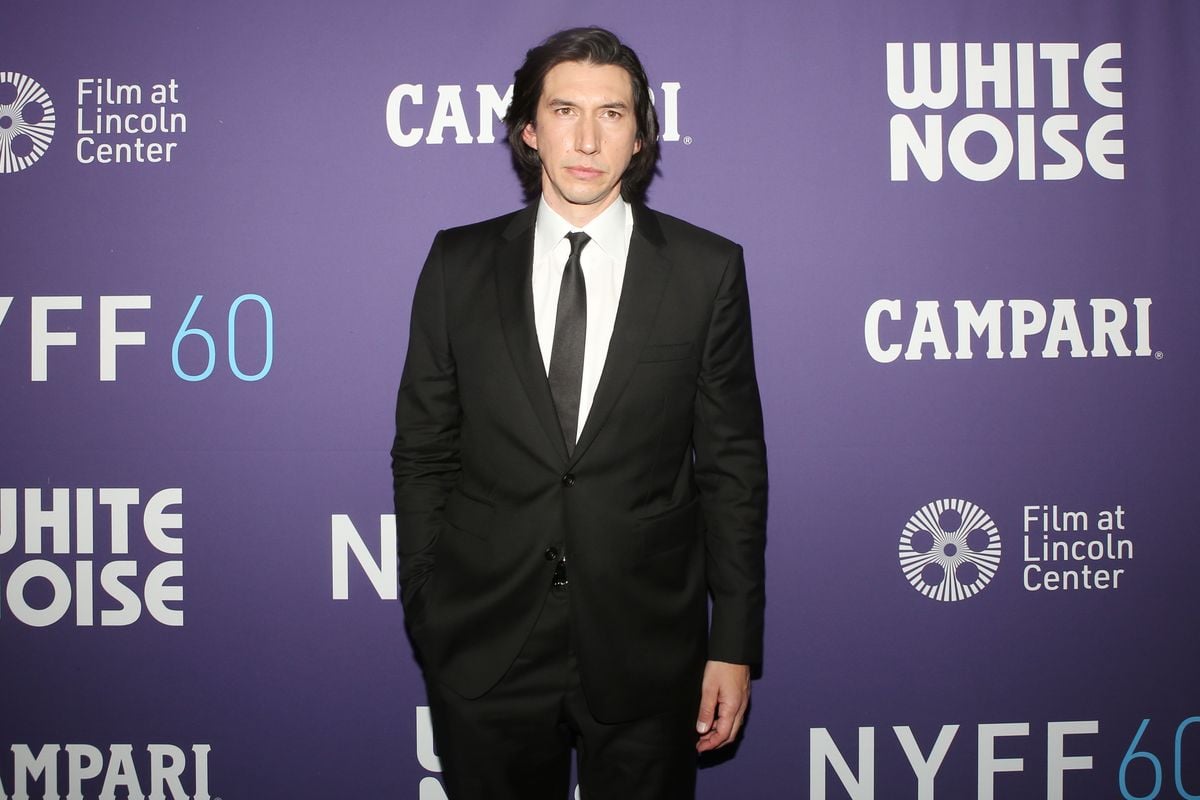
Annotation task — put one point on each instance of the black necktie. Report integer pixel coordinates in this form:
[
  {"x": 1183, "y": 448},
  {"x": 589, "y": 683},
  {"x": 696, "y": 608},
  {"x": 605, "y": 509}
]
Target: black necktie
[{"x": 570, "y": 331}]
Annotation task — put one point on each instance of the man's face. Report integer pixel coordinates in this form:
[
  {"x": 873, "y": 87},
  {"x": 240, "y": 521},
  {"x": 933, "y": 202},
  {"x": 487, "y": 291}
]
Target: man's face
[{"x": 585, "y": 134}]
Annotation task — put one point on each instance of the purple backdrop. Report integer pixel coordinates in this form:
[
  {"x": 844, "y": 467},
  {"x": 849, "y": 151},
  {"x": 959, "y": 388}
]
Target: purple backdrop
[{"x": 1002, "y": 544}]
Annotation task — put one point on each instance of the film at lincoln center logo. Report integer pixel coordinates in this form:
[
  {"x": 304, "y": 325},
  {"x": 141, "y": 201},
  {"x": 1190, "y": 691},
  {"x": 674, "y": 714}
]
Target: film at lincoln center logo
[
  {"x": 949, "y": 550},
  {"x": 26, "y": 121}
]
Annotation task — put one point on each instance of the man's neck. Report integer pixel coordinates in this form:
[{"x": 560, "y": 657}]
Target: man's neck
[{"x": 580, "y": 214}]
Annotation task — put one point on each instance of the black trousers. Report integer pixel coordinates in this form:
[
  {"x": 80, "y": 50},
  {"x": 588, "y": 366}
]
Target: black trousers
[{"x": 515, "y": 742}]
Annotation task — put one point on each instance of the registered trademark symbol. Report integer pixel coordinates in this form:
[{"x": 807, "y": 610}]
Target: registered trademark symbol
[
  {"x": 687, "y": 140},
  {"x": 1158, "y": 355}
]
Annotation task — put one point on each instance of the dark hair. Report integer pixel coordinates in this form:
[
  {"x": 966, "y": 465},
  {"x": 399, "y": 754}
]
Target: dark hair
[{"x": 590, "y": 46}]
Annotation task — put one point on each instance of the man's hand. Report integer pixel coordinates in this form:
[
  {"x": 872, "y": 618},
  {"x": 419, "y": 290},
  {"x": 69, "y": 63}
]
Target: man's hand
[{"x": 724, "y": 697}]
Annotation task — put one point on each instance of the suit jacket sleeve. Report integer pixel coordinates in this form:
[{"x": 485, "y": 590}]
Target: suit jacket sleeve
[
  {"x": 425, "y": 452},
  {"x": 731, "y": 474}
]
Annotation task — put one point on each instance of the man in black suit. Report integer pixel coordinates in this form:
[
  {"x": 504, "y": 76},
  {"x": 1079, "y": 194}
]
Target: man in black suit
[{"x": 579, "y": 463}]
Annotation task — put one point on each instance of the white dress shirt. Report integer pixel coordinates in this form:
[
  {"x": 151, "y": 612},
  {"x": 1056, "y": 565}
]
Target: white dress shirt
[{"x": 603, "y": 262}]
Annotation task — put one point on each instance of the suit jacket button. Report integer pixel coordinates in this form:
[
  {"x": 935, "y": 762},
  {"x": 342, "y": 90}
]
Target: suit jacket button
[
  {"x": 568, "y": 480},
  {"x": 551, "y": 554}
]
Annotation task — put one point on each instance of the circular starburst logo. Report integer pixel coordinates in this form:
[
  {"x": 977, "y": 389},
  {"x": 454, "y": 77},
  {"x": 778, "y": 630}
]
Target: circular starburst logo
[
  {"x": 950, "y": 550},
  {"x": 26, "y": 121}
]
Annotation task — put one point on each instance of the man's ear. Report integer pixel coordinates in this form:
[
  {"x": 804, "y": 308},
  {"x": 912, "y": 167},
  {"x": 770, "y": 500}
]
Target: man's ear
[{"x": 529, "y": 135}]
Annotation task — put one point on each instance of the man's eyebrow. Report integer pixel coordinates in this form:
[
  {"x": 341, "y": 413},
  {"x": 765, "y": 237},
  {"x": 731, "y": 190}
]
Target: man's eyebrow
[{"x": 558, "y": 101}]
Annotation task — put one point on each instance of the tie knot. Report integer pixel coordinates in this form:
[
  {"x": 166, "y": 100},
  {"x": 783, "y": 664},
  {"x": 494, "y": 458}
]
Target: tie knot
[{"x": 577, "y": 239}]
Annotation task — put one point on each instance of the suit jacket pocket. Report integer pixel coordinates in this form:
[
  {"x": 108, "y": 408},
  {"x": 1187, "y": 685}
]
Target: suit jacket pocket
[
  {"x": 469, "y": 515},
  {"x": 665, "y": 352},
  {"x": 673, "y": 529}
]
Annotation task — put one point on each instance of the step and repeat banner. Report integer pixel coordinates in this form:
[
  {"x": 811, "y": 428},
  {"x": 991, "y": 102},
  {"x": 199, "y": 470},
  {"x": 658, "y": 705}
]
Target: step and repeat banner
[{"x": 972, "y": 241}]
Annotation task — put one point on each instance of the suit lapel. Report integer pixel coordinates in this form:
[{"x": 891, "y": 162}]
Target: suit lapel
[
  {"x": 646, "y": 273},
  {"x": 513, "y": 264}
]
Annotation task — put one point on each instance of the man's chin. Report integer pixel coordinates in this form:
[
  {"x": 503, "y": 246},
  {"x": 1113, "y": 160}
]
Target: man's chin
[
  {"x": 587, "y": 201},
  {"x": 590, "y": 198}
]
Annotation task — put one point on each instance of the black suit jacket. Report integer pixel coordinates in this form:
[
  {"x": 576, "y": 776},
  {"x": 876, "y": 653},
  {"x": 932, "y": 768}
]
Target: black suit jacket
[{"x": 660, "y": 507}]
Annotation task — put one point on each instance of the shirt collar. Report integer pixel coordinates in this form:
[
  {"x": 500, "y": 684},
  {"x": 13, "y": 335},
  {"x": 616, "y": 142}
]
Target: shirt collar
[{"x": 608, "y": 230}]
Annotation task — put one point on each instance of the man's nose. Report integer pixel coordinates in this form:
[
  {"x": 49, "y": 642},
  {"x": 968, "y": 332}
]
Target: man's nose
[{"x": 587, "y": 136}]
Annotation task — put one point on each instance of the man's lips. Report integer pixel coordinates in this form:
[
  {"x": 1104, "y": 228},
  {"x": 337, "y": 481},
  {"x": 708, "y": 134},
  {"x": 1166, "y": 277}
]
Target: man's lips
[{"x": 585, "y": 172}]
